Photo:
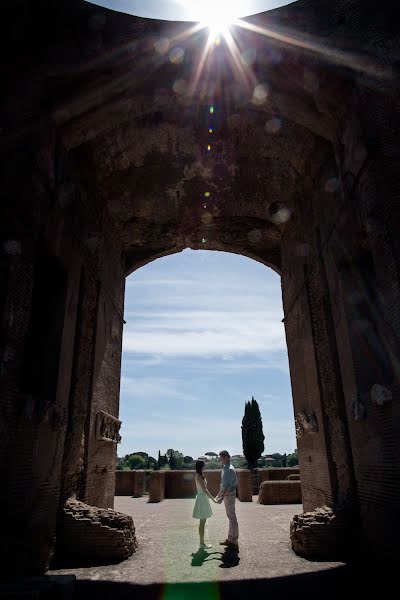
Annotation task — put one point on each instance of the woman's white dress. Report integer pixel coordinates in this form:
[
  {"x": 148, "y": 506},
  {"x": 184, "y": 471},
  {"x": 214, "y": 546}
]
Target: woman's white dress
[{"x": 202, "y": 508}]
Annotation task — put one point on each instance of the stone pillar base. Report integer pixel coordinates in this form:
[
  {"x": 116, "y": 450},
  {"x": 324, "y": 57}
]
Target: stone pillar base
[
  {"x": 323, "y": 534},
  {"x": 157, "y": 486},
  {"x": 90, "y": 534},
  {"x": 244, "y": 491}
]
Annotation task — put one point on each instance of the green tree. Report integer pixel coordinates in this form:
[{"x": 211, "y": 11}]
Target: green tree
[
  {"x": 135, "y": 462},
  {"x": 172, "y": 461},
  {"x": 210, "y": 454},
  {"x": 292, "y": 459},
  {"x": 175, "y": 458},
  {"x": 252, "y": 433},
  {"x": 151, "y": 463},
  {"x": 187, "y": 460}
]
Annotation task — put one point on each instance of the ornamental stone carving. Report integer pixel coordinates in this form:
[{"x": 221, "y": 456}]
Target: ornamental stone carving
[
  {"x": 107, "y": 428},
  {"x": 380, "y": 395},
  {"x": 305, "y": 423}
]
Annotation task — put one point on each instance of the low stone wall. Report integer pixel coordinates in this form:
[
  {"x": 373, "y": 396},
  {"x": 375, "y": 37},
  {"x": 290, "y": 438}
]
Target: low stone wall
[
  {"x": 280, "y": 492},
  {"x": 130, "y": 483},
  {"x": 124, "y": 483},
  {"x": 181, "y": 484},
  {"x": 277, "y": 473},
  {"x": 98, "y": 534}
]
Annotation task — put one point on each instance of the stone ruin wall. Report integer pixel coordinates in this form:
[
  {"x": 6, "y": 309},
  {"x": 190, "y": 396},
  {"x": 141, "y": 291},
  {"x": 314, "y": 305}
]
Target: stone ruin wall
[{"x": 36, "y": 465}]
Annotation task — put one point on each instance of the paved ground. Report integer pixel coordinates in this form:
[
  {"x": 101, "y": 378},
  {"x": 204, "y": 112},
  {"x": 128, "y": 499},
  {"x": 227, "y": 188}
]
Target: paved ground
[{"x": 168, "y": 546}]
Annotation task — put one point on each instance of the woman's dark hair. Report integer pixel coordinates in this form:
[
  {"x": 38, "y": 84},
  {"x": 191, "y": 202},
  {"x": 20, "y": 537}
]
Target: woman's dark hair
[{"x": 199, "y": 467}]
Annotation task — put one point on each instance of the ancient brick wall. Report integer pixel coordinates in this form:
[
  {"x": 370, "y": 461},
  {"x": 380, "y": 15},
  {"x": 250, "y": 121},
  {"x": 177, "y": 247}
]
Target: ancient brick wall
[
  {"x": 312, "y": 446},
  {"x": 365, "y": 270},
  {"x": 47, "y": 396}
]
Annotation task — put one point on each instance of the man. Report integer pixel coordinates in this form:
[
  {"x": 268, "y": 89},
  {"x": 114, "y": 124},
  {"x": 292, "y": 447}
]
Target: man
[{"x": 227, "y": 494}]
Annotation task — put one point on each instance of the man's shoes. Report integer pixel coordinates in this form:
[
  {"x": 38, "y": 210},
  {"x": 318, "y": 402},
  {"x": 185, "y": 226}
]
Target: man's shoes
[
  {"x": 230, "y": 544},
  {"x": 233, "y": 545}
]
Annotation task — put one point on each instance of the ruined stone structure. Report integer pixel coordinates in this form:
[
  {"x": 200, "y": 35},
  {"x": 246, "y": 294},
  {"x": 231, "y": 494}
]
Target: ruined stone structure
[
  {"x": 105, "y": 166},
  {"x": 280, "y": 492}
]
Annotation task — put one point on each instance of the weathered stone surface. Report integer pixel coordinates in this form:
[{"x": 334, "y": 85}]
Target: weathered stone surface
[
  {"x": 280, "y": 492},
  {"x": 87, "y": 533},
  {"x": 322, "y": 534}
]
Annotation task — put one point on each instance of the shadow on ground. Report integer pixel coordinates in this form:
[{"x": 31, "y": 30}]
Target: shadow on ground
[
  {"x": 332, "y": 583},
  {"x": 229, "y": 558}
]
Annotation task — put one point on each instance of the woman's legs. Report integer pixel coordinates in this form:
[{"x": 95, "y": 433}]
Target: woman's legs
[{"x": 202, "y": 525}]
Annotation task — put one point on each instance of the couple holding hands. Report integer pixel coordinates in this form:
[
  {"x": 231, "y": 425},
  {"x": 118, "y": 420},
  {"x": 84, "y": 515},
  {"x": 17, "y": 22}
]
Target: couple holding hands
[{"x": 227, "y": 495}]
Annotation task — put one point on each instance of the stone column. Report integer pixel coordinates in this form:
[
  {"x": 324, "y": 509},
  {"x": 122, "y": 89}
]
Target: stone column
[
  {"x": 325, "y": 456},
  {"x": 245, "y": 492},
  {"x": 157, "y": 486}
]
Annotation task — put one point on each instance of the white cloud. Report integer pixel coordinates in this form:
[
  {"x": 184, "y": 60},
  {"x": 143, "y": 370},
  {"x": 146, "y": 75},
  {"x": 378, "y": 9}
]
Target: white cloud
[
  {"x": 200, "y": 333},
  {"x": 163, "y": 387}
]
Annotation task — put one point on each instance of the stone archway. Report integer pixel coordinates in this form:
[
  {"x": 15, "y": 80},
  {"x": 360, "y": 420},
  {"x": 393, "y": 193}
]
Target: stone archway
[{"x": 105, "y": 167}]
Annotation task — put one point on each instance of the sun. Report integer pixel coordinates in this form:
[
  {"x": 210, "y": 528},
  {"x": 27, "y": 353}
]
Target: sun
[{"x": 217, "y": 17}]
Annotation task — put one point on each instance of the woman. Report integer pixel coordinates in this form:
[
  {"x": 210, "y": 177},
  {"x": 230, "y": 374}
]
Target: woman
[{"x": 202, "y": 509}]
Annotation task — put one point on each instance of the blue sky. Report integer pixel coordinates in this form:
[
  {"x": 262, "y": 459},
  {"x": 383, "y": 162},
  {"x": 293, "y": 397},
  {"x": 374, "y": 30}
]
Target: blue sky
[
  {"x": 188, "y": 10},
  {"x": 203, "y": 334}
]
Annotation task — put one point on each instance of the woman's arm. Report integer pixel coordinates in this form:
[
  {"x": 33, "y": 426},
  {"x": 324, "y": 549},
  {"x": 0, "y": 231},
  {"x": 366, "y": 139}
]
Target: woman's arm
[{"x": 204, "y": 488}]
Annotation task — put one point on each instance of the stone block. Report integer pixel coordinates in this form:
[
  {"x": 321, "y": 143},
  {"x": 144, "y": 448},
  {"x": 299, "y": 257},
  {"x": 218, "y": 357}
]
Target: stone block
[
  {"x": 322, "y": 534},
  {"x": 280, "y": 492}
]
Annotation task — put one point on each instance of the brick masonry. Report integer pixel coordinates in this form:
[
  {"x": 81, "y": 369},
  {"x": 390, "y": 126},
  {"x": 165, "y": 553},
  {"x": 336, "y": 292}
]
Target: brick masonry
[{"x": 92, "y": 534}]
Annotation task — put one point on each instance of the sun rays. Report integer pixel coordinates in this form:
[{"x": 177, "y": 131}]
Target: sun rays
[{"x": 224, "y": 27}]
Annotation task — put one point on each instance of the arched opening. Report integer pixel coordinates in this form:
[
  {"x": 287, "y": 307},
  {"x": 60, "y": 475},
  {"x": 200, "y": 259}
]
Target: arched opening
[
  {"x": 203, "y": 334},
  {"x": 209, "y": 322}
]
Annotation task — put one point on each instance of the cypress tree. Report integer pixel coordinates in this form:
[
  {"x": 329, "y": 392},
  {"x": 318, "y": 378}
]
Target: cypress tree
[
  {"x": 172, "y": 461},
  {"x": 252, "y": 433}
]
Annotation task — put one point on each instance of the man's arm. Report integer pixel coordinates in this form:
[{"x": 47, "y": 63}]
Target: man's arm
[
  {"x": 229, "y": 480},
  {"x": 220, "y": 496}
]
